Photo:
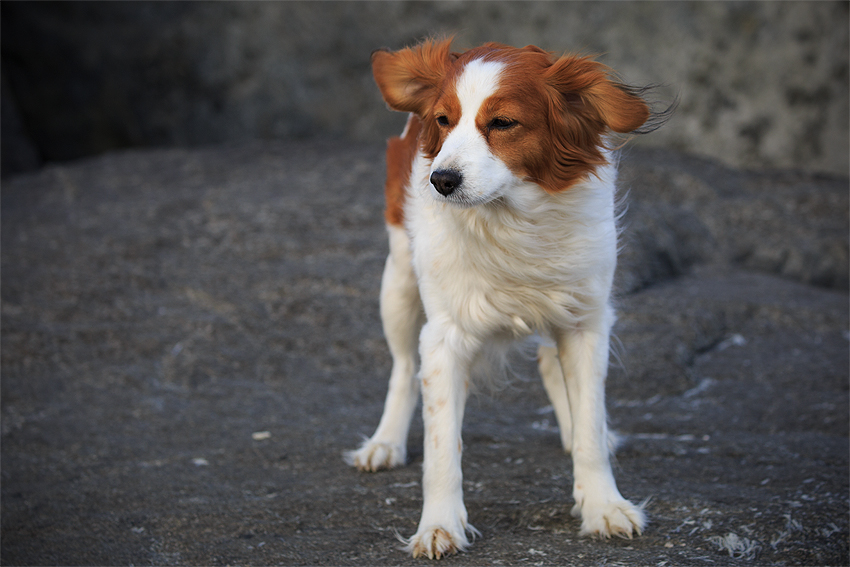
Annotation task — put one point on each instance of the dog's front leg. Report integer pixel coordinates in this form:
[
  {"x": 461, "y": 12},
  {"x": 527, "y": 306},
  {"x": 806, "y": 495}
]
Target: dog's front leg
[
  {"x": 584, "y": 360},
  {"x": 401, "y": 315},
  {"x": 446, "y": 356}
]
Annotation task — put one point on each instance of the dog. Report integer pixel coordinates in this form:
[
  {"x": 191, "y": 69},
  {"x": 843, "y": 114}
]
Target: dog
[{"x": 501, "y": 219}]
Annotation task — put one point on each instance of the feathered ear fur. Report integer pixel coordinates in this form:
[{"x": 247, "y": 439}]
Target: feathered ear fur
[
  {"x": 586, "y": 87},
  {"x": 409, "y": 79},
  {"x": 584, "y": 103}
]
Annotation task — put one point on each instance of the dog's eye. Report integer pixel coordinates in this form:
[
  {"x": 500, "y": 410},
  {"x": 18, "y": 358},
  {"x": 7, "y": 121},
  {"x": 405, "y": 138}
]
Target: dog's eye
[
  {"x": 443, "y": 120},
  {"x": 501, "y": 124}
]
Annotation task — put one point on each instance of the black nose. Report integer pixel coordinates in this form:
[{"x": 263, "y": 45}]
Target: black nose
[{"x": 446, "y": 181}]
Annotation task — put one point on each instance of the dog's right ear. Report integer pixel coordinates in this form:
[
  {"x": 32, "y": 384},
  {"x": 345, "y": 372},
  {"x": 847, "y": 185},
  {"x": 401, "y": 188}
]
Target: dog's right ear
[{"x": 410, "y": 78}]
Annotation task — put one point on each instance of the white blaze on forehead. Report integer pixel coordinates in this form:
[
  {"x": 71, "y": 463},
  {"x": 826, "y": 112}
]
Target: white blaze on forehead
[
  {"x": 478, "y": 81},
  {"x": 465, "y": 150}
]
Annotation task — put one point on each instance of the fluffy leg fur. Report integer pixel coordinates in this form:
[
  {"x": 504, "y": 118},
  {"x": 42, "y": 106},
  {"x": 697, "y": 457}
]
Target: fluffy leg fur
[
  {"x": 584, "y": 360},
  {"x": 401, "y": 314},
  {"x": 446, "y": 358},
  {"x": 556, "y": 389}
]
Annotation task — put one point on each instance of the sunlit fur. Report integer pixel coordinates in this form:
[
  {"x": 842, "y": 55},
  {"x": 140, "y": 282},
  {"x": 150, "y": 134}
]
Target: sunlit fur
[{"x": 522, "y": 242}]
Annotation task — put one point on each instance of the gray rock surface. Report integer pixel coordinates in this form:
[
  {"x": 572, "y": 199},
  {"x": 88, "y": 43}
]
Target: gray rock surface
[
  {"x": 159, "y": 308},
  {"x": 760, "y": 83}
]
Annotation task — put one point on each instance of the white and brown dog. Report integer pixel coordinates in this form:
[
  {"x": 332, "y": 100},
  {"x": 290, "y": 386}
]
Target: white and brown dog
[{"x": 501, "y": 221}]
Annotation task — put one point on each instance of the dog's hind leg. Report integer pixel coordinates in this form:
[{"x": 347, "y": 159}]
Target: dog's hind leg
[{"x": 402, "y": 317}]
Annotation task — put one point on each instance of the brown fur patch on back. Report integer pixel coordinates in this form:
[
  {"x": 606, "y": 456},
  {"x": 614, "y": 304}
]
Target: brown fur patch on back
[{"x": 400, "y": 154}]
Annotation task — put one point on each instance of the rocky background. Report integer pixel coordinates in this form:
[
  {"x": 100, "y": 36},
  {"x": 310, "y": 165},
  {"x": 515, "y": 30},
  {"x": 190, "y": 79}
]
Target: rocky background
[
  {"x": 190, "y": 334},
  {"x": 759, "y": 83}
]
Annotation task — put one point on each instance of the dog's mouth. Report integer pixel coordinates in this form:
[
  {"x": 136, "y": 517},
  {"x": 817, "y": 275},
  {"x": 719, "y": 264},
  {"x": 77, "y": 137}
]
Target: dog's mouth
[{"x": 460, "y": 199}]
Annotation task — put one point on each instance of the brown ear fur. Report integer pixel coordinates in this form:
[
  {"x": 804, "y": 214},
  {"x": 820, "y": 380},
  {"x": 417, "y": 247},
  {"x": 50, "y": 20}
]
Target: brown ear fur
[
  {"x": 409, "y": 79},
  {"x": 621, "y": 110},
  {"x": 583, "y": 103},
  {"x": 587, "y": 84}
]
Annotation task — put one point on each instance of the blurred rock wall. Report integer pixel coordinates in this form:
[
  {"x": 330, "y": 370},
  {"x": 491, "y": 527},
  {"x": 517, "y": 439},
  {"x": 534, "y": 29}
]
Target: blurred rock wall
[{"x": 760, "y": 84}]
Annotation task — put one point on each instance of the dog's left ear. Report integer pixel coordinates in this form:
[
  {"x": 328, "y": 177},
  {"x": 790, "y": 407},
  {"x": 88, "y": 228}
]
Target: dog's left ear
[
  {"x": 587, "y": 88},
  {"x": 410, "y": 78}
]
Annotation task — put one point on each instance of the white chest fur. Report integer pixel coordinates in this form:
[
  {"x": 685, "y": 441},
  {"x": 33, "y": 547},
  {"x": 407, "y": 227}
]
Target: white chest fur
[{"x": 519, "y": 264}]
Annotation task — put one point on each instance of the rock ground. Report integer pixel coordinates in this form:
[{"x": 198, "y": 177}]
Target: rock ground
[{"x": 190, "y": 340}]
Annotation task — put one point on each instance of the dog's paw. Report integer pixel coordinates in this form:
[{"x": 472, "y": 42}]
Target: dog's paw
[
  {"x": 435, "y": 542},
  {"x": 374, "y": 456},
  {"x": 614, "y": 517}
]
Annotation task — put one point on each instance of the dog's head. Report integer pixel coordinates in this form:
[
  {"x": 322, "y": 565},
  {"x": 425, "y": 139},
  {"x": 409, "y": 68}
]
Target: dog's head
[{"x": 496, "y": 115}]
